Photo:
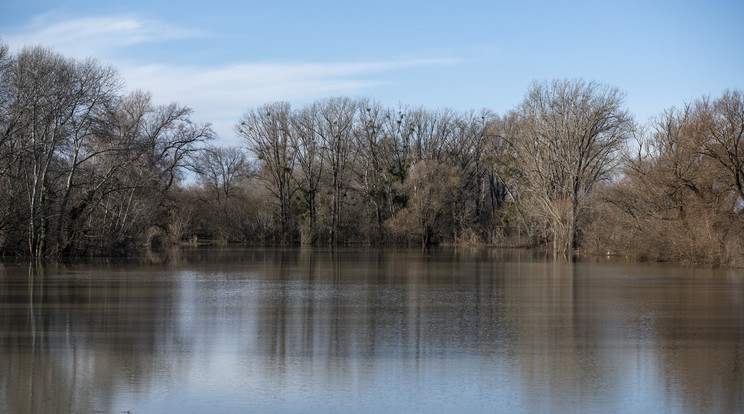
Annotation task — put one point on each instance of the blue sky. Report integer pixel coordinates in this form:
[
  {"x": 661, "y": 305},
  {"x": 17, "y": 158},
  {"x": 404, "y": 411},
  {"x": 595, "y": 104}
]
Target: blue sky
[{"x": 224, "y": 57}]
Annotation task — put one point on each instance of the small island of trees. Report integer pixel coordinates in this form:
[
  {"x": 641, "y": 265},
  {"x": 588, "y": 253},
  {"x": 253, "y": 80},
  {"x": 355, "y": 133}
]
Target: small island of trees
[{"x": 86, "y": 169}]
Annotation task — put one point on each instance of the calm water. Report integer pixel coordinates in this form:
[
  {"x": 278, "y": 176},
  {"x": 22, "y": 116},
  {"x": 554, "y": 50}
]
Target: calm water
[{"x": 369, "y": 331}]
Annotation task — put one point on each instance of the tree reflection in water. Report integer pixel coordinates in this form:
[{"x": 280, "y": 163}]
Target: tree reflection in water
[{"x": 298, "y": 330}]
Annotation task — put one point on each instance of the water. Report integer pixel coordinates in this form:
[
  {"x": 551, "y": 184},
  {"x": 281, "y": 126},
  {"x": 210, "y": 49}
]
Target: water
[{"x": 369, "y": 331}]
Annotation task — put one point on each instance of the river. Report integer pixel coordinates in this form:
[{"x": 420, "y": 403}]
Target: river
[{"x": 369, "y": 331}]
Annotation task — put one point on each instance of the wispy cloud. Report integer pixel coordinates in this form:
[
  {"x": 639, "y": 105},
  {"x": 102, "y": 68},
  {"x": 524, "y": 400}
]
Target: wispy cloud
[
  {"x": 221, "y": 94},
  {"x": 218, "y": 93},
  {"x": 93, "y": 36},
  {"x": 291, "y": 80}
]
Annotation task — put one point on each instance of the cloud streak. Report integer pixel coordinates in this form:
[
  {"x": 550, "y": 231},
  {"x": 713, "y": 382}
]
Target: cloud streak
[
  {"x": 222, "y": 94},
  {"x": 292, "y": 80},
  {"x": 218, "y": 93},
  {"x": 88, "y": 36}
]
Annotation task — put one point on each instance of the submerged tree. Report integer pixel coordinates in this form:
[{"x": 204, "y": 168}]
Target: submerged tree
[
  {"x": 337, "y": 117},
  {"x": 223, "y": 173},
  {"x": 84, "y": 170},
  {"x": 308, "y": 149},
  {"x": 267, "y": 132},
  {"x": 50, "y": 113},
  {"x": 433, "y": 187},
  {"x": 372, "y": 170},
  {"x": 680, "y": 196},
  {"x": 565, "y": 141}
]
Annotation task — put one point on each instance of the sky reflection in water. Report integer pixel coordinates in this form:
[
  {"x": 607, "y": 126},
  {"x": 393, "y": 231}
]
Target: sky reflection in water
[{"x": 372, "y": 331}]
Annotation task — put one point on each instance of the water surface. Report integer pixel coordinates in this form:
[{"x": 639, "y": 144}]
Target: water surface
[{"x": 369, "y": 331}]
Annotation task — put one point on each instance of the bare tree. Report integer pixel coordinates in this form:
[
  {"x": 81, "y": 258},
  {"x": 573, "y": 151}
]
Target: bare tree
[
  {"x": 680, "y": 198},
  {"x": 568, "y": 133},
  {"x": 50, "y": 101},
  {"x": 10, "y": 181},
  {"x": 267, "y": 133},
  {"x": 433, "y": 188},
  {"x": 721, "y": 134},
  {"x": 220, "y": 169},
  {"x": 95, "y": 88},
  {"x": 372, "y": 170},
  {"x": 397, "y": 153},
  {"x": 307, "y": 146},
  {"x": 6, "y": 95},
  {"x": 466, "y": 151},
  {"x": 337, "y": 117},
  {"x": 82, "y": 169},
  {"x": 223, "y": 172},
  {"x": 432, "y": 134},
  {"x": 499, "y": 181}
]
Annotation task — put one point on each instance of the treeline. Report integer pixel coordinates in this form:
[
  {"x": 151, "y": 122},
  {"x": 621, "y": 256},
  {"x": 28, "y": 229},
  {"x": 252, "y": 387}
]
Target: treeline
[
  {"x": 342, "y": 171},
  {"x": 85, "y": 169}
]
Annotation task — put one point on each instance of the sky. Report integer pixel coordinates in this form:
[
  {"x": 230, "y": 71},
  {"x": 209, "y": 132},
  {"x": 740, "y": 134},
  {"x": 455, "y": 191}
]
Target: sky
[{"x": 222, "y": 58}]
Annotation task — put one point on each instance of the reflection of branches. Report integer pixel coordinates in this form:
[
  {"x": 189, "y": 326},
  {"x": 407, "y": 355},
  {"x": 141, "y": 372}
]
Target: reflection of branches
[{"x": 70, "y": 341}]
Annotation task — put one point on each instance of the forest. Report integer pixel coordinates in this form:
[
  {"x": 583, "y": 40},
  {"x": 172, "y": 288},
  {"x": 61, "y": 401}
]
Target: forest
[{"x": 89, "y": 170}]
